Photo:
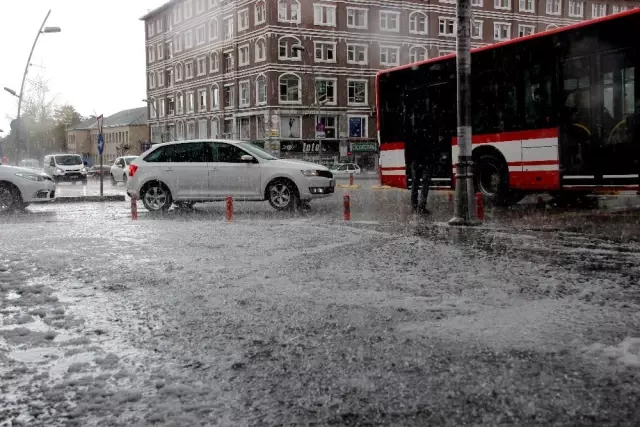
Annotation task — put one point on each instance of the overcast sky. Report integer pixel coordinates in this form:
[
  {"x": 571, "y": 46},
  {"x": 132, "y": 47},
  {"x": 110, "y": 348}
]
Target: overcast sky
[{"x": 96, "y": 63}]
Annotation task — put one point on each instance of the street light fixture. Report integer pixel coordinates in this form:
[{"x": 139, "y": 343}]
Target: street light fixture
[
  {"x": 51, "y": 30},
  {"x": 12, "y": 92}
]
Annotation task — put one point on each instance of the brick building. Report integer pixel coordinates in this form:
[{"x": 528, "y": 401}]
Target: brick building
[{"x": 298, "y": 75}]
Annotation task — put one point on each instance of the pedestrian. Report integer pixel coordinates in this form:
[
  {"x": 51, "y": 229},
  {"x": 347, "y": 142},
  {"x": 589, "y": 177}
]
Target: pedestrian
[
  {"x": 422, "y": 154},
  {"x": 420, "y": 169}
]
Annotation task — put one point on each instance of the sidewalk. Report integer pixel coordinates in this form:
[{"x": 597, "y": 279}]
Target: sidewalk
[{"x": 69, "y": 193}]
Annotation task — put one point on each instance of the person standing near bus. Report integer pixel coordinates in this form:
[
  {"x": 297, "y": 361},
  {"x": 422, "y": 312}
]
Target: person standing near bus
[{"x": 422, "y": 161}]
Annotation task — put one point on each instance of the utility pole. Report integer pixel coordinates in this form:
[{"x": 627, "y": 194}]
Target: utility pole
[{"x": 464, "y": 208}]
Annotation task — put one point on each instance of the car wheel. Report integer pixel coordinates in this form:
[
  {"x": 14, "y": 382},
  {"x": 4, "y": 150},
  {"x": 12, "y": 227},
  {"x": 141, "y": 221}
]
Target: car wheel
[
  {"x": 113, "y": 180},
  {"x": 10, "y": 198},
  {"x": 282, "y": 194},
  {"x": 156, "y": 197}
]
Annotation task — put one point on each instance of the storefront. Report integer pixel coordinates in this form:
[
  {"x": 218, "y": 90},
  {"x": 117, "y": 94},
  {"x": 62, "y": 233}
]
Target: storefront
[
  {"x": 365, "y": 154},
  {"x": 324, "y": 152}
]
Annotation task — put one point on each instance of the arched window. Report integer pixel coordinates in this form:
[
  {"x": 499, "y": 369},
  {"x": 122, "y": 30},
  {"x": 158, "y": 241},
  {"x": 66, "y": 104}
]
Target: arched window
[
  {"x": 213, "y": 29},
  {"x": 289, "y": 11},
  {"x": 179, "y": 73},
  {"x": 152, "y": 80},
  {"x": 180, "y": 103},
  {"x": 261, "y": 49},
  {"x": 418, "y": 23},
  {"x": 153, "y": 107},
  {"x": 260, "y": 12},
  {"x": 214, "y": 62},
  {"x": 417, "y": 54},
  {"x": 215, "y": 97},
  {"x": 180, "y": 130},
  {"x": 261, "y": 89},
  {"x": 215, "y": 127},
  {"x": 552, "y": 26},
  {"x": 286, "y": 50},
  {"x": 290, "y": 91}
]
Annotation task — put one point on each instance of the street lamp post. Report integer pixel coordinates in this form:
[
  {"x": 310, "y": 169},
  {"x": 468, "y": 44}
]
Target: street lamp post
[{"x": 19, "y": 95}]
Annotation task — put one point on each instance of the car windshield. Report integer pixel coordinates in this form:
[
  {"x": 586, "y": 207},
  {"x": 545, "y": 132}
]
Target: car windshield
[
  {"x": 256, "y": 151},
  {"x": 68, "y": 160}
]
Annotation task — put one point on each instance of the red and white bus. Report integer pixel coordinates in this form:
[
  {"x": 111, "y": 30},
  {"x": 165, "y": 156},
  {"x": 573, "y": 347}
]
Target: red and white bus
[{"x": 551, "y": 112}]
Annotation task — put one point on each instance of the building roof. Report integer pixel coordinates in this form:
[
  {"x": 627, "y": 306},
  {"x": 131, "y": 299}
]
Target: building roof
[
  {"x": 130, "y": 117},
  {"x": 158, "y": 9}
]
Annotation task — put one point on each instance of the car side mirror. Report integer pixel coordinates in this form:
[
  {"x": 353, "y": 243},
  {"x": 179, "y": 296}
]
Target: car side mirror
[{"x": 247, "y": 158}]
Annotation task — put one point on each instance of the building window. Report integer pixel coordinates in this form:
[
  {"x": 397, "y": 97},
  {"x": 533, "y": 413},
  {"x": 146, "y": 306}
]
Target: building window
[
  {"x": 389, "y": 21},
  {"x": 202, "y": 129},
  {"x": 357, "y": 54},
  {"x": 213, "y": 29},
  {"x": 228, "y": 62},
  {"x": 501, "y": 31},
  {"x": 202, "y": 65},
  {"x": 191, "y": 101},
  {"x": 152, "y": 80},
  {"x": 260, "y": 12},
  {"x": 180, "y": 102},
  {"x": 243, "y": 55},
  {"x": 180, "y": 130},
  {"x": 151, "y": 53},
  {"x": 215, "y": 97},
  {"x": 554, "y": 7},
  {"x": 502, "y": 4},
  {"x": 326, "y": 91},
  {"x": 177, "y": 43},
  {"x": 188, "y": 69},
  {"x": 476, "y": 29},
  {"x": 245, "y": 93},
  {"x": 525, "y": 30},
  {"x": 191, "y": 130},
  {"x": 357, "y": 92},
  {"x": 260, "y": 128},
  {"x": 418, "y": 23},
  {"x": 576, "y": 9},
  {"x": 215, "y": 128},
  {"x": 159, "y": 25},
  {"x": 597, "y": 10},
  {"x": 160, "y": 78},
  {"x": 213, "y": 3},
  {"x": 417, "y": 54},
  {"x": 289, "y": 88},
  {"x": 325, "y": 51},
  {"x": 261, "y": 90},
  {"x": 527, "y": 6},
  {"x": 202, "y": 100},
  {"x": 171, "y": 106},
  {"x": 261, "y": 50},
  {"x": 289, "y": 11},
  {"x": 199, "y": 6},
  {"x": 389, "y": 55},
  {"x": 447, "y": 27},
  {"x": 243, "y": 19},
  {"x": 615, "y": 8},
  {"x": 357, "y": 18},
  {"x": 324, "y": 15},
  {"x": 244, "y": 129},
  {"x": 357, "y": 126},
  {"x": 285, "y": 49},
  {"x": 188, "y": 39},
  {"x": 228, "y": 28},
  {"x": 150, "y": 29},
  {"x": 200, "y": 35},
  {"x": 214, "y": 62},
  {"x": 160, "y": 50},
  {"x": 227, "y": 128},
  {"x": 228, "y": 96},
  {"x": 188, "y": 9},
  {"x": 476, "y": 3},
  {"x": 328, "y": 125},
  {"x": 168, "y": 48}
]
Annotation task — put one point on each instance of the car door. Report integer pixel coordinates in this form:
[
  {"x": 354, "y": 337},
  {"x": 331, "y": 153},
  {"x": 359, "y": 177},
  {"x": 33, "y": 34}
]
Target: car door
[
  {"x": 116, "y": 169},
  {"x": 230, "y": 176},
  {"x": 185, "y": 168}
]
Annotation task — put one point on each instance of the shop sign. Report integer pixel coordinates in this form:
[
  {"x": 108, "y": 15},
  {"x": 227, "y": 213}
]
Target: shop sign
[{"x": 368, "y": 146}]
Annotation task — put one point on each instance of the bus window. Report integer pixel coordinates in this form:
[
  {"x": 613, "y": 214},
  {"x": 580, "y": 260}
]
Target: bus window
[{"x": 538, "y": 99}]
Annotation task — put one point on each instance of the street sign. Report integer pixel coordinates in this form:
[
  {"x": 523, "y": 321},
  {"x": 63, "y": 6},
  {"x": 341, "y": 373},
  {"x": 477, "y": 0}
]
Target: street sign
[{"x": 100, "y": 143}]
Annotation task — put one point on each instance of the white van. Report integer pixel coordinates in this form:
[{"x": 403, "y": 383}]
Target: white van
[{"x": 65, "y": 167}]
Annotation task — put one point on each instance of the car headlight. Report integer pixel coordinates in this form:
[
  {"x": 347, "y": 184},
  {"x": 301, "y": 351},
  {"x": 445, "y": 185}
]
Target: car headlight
[
  {"x": 59, "y": 171},
  {"x": 310, "y": 172},
  {"x": 31, "y": 176},
  {"x": 83, "y": 170}
]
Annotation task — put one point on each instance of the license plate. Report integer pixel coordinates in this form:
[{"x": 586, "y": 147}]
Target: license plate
[{"x": 332, "y": 183}]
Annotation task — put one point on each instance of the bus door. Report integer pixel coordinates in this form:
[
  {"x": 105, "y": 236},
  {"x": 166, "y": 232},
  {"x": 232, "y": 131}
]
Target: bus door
[
  {"x": 579, "y": 122},
  {"x": 619, "y": 158}
]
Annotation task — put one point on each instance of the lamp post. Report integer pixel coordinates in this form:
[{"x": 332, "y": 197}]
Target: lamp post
[{"x": 42, "y": 30}]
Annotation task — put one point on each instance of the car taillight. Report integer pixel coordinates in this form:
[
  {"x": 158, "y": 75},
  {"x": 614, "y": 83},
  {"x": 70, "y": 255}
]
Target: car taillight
[{"x": 132, "y": 170}]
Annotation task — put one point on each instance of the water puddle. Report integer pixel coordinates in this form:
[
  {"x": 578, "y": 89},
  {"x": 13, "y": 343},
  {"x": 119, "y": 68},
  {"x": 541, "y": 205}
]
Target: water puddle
[{"x": 12, "y": 295}]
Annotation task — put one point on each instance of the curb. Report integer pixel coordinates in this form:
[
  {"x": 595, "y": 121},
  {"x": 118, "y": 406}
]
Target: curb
[
  {"x": 348, "y": 186},
  {"x": 78, "y": 199}
]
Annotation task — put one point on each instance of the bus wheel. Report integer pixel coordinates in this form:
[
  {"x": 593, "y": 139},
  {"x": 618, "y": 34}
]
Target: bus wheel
[{"x": 491, "y": 179}]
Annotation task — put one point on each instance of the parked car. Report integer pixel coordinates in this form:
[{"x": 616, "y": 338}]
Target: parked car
[
  {"x": 345, "y": 169},
  {"x": 120, "y": 168},
  {"x": 95, "y": 171},
  {"x": 65, "y": 167},
  {"x": 187, "y": 172},
  {"x": 21, "y": 186},
  {"x": 30, "y": 164}
]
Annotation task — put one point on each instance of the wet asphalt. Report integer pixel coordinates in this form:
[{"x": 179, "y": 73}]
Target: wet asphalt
[{"x": 302, "y": 318}]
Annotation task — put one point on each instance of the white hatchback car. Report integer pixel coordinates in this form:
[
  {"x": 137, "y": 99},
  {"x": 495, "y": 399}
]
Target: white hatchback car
[
  {"x": 20, "y": 186},
  {"x": 187, "y": 172},
  {"x": 120, "y": 168}
]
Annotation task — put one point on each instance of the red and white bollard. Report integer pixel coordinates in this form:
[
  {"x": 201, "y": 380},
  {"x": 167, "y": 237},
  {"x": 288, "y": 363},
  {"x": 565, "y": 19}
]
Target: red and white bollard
[
  {"x": 347, "y": 207},
  {"x": 450, "y": 196},
  {"x": 479, "y": 206},
  {"x": 229, "y": 208},
  {"x": 350, "y": 179},
  {"x": 134, "y": 208},
  {"x": 380, "y": 175}
]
